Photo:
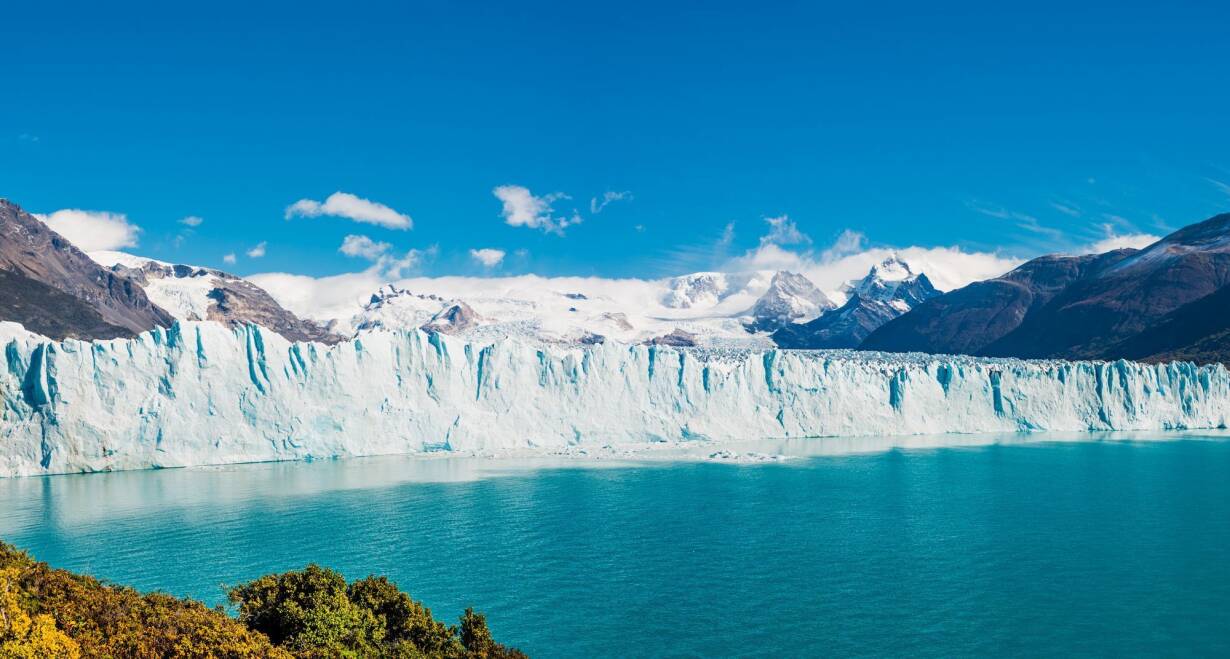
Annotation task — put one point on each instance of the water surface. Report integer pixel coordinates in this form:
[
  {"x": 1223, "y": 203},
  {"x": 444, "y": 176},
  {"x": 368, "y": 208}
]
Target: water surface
[{"x": 1107, "y": 547}]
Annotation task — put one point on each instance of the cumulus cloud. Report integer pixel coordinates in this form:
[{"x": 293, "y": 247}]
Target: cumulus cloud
[
  {"x": 597, "y": 204},
  {"x": 93, "y": 230},
  {"x": 363, "y": 247},
  {"x": 521, "y": 208},
  {"x": 396, "y": 267},
  {"x": 487, "y": 256},
  {"x": 384, "y": 262},
  {"x": 351, "y": 207},
  {"x": 229, "y": 258},
  {"x": 783, "y": 231},
  {"x": 257, "y": 251},
  {"x": 192, "y": 221}
]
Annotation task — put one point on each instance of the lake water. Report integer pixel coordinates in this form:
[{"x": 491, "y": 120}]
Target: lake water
[{"x": 1099, "y": 547}]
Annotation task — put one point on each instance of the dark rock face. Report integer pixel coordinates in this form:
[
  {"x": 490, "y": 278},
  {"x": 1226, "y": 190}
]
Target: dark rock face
[
  {"x": 969, "y": 319},
  {"x": 239, "y": 302},
  {"x": 873, "y": 301},
  {"x": 454, "y": 319},
  {"x": 53, "y": 288},
  {"x": 791, "y": 296},
  {"x": 676, "y": 339},
  {"x": 1197, "y": 332},
  {"x": 1141, "y": 304}
]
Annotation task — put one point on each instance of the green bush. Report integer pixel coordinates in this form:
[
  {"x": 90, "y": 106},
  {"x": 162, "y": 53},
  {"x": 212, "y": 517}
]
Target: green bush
[{"x": 45, "y": 612}]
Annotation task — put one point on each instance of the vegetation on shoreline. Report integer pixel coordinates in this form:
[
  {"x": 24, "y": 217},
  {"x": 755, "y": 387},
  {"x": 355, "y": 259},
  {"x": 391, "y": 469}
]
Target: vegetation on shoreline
[{"x": 47, "y": 612}]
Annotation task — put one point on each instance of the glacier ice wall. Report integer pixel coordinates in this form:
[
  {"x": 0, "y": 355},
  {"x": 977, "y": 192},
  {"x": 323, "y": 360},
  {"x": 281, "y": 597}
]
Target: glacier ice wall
[{"x": 201, "y": 393}]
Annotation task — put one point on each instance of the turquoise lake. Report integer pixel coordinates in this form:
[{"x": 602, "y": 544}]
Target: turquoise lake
[{"x": 1052, "y": 548}]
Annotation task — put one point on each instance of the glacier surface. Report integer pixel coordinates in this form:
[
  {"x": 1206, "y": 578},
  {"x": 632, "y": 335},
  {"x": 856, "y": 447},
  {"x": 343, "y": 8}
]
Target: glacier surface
[{"x": 203, "y": 393}]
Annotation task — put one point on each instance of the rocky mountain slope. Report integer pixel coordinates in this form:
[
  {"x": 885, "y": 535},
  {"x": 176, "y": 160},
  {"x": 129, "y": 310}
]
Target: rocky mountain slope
[
  {"x": 889, "y": 290},
  {"x": 1149, "y": 304},
  {"x": 54, "y": 289},
  {"x": 193, "y": 293},
  {"x": 791, "y": 298}
]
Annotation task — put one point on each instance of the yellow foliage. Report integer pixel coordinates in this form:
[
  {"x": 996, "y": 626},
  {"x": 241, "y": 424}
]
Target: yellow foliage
[{"x": 26, "y": 637}]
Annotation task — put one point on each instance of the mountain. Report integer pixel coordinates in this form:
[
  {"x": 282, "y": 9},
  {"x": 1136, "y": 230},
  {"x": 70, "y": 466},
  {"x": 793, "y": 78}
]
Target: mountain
[
  {"x": 697, "y": 289},
  {"x": 791, "y": 298},
  {"x": 54, "y": 289},
  {"x": 1197, "y": 332},
  {"x": 889, "y": 290},
  {"x": 1142, "y": 304},
  {"x": 192, "y": 293},
  {"x": 709, "y": 309}
]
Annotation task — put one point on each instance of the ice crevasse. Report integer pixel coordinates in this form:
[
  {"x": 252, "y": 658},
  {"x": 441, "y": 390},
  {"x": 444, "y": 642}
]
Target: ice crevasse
[{"x": 203, "y": 393}]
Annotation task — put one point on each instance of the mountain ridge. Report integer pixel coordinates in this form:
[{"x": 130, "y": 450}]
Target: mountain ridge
[
  {"x": 1082, "y": 307},
  {"x": 53, "y": 288}
]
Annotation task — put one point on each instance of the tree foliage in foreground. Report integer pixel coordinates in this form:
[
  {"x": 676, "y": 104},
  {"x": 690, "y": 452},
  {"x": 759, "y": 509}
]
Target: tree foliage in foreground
[
  {"x": 52, "y": 613},
  {"x": 314, "y": 613}
]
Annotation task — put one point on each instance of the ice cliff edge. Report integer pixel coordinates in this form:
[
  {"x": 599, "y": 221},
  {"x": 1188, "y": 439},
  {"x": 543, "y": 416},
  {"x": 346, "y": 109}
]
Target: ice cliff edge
[{"x": 202, "y": 393}]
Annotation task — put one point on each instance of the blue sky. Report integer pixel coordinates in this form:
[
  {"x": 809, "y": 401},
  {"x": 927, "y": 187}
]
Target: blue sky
[{"x": 1013, "y": 130}]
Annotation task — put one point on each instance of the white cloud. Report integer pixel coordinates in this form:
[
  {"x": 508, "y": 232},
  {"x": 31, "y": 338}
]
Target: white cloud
[
  {"x": 523, "y": 209},
  {"x": 257, "y": 251},
  {"x": 597, "y": 204},
  {"x": 1114, "y": 240},
  {"x": 487, "y": 256},
  {"x": 229, "y": 258},
  {"x": 395, "y": 267},
  {"x": 363, "y": 247},
  {"x": 323, "y": 298},
  {"x": 93, "y": 231},
  {"x": 849, "y": 257},
  {"x": 338, "y": 296},
  {"x": 192, "y": 221},
  {"x": 783, "y": 231},
  {"x": 351, "y": 207},
  {"x": 848, "y": 242}
]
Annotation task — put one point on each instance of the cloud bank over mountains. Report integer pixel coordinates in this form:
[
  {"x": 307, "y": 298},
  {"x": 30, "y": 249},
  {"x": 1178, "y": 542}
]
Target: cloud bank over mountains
[{"x": 783, "y": 247}]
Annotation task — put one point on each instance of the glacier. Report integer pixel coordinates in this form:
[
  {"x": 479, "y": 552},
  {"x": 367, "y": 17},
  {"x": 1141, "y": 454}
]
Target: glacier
[{"x": 201, "y": 393}]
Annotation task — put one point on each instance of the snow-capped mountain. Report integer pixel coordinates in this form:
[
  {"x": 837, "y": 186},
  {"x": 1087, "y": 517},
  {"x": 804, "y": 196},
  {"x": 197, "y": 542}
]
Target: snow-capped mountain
[
  {"x": 709, "y": 309},
  {"x": 889, "y": 290},
  {"x": 700, "y": 289},
  {"x": 791, "y": 298},
  {"x": 192, "y": 293},
  {"x": 892, "y": 280},
  {"x": 393, "y": 307}
]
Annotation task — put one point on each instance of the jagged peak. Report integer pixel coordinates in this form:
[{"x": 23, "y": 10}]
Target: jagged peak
[{"x": 892, "y": 268}]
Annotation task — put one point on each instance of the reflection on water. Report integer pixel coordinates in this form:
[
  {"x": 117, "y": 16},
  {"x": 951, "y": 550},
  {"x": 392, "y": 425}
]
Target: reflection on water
[
  {"x": 83, "y": 500},
  {"x": 1011, "y": 544}
]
